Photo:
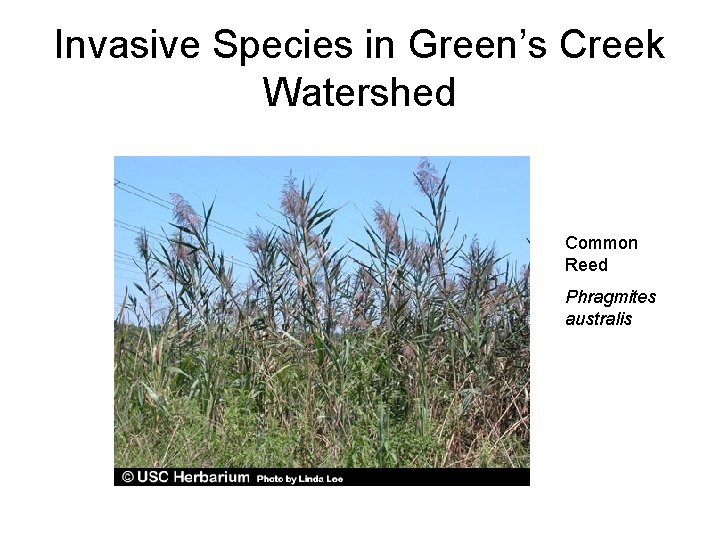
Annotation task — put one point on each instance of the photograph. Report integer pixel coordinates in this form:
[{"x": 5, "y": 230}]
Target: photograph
[{"x": 322, "y": 312}]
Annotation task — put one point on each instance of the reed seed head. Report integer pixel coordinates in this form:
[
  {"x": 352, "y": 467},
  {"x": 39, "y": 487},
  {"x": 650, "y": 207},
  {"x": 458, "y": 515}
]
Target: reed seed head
[
  {"x": 418, "y": 255},
  {"x": 426, "y": 178},
  {"x": 293, "y": 204},
  {"x": 257, "y": 240},
  {"x": 142, "y": 244},
  {"x": 184, "y": 213},
  {"x": 387, "y": 222}
]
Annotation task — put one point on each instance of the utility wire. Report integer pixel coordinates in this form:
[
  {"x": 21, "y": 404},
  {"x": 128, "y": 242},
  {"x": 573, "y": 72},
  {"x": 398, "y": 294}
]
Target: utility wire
[
  {"x": 127, "y": 277},
  {"x": 227, "y": 229},
  {"x": 124, "y": 255},
  {"x": 145, "y": 198},
  {"x": 136, "y": 229}
]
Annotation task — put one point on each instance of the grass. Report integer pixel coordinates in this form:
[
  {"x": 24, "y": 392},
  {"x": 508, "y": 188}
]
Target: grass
[{"x": 413, "y": 352}]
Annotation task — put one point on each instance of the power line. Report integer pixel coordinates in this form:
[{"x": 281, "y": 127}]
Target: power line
[
  {"x": 126, "y": 277},
  {"x": 125, "y": 262},
  {"x": 274, "y": 180},
  {"x": 129, "y": 267},
  {"x": 227, "y": 229},
  {"x": 137, "y": 230},
  {"x": 124, "y": 255},
  {"x": 156, "y": 169},
  {"x": 192, "y": 185},
  {"x": 145, "y": 198},
  {"x": 141, "y": 191}
]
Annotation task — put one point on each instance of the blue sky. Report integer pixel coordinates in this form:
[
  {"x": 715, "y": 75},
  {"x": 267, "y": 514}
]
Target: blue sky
[{"x": 489, "y": 195}]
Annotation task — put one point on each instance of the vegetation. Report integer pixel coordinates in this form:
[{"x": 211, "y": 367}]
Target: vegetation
[{"x": 396, "y": 350}]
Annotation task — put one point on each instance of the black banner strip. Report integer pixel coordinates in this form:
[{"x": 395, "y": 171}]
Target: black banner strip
[{"x": 322, "y": 477}]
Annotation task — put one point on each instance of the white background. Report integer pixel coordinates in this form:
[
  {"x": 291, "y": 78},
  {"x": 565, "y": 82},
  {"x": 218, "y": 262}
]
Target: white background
[{"x": 625, "y": 420}]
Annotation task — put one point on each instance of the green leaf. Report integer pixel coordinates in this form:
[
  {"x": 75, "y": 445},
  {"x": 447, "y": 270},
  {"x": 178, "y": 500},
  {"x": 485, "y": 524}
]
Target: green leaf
[{"x": 173, "y": 369}]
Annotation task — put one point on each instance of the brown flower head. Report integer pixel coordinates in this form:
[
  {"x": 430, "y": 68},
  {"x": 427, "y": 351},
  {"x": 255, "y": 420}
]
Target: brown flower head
[
  {"x": 408, "y": 352},
  {"x": 292, "y": 201},
  {"x": 359, "y": 323},
  {"x": 426, "y": 178},
  {"x": 257, "y": 240},
  {"x": 182, "y": 251},
  {"x": 141, "y": 242},
  {"x": 366, "y": 277},
  {"x": 184, "y": 213},
  {"x": 387, "y": 222},
  {"x": 419, "y": 255}
]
